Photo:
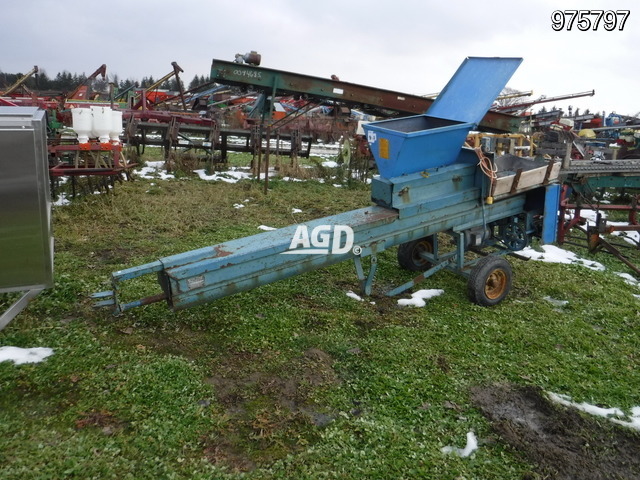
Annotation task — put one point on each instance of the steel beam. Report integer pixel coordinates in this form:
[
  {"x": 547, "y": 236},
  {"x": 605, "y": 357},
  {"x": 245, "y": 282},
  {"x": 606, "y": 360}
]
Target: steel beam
[
  {"x": 213, "y": 272},
  {"x": 18, "y": 306},
  {"x": 288, "y": 83}
]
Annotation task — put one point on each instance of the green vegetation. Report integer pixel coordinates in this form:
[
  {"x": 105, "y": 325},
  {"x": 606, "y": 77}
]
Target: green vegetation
[{"x": 294, "y": 379}]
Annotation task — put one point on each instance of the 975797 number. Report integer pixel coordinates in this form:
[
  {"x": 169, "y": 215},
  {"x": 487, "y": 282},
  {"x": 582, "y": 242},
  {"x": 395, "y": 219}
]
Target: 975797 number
[{"x": 589, "y": 19}]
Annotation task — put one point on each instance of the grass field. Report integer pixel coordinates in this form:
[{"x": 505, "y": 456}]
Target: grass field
[{"x": 294, "y": 379}]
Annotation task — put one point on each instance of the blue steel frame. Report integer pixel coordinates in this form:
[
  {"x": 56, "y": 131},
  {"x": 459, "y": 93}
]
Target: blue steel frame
[
  {"x": 428, "y": 198},
  {"x": 209, "y": 273}
]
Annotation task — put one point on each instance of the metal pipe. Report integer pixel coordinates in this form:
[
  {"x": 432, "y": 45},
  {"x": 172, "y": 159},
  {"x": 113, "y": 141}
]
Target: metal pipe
[
  {"x": 520, "y": 106},
  {"x": 615, "y": 127}
]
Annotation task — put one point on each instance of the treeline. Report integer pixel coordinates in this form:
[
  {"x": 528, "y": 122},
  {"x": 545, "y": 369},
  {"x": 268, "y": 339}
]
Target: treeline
[{"x": 66, "y": 81}]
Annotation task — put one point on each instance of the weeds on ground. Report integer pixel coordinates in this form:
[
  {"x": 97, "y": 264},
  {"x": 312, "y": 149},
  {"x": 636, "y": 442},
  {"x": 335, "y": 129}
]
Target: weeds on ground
[{"x": 293, "y": 379}]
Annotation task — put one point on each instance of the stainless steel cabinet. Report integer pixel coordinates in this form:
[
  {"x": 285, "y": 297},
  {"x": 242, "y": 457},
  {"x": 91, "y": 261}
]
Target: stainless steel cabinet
[{"x": 26, "y": 240}]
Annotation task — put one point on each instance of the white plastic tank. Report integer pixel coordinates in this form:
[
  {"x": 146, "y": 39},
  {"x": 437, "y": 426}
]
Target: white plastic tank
[
  {"x": 82, "y": 123},
  {"x": 102, "y": 120},
  {"x": 116, "y": 126}
]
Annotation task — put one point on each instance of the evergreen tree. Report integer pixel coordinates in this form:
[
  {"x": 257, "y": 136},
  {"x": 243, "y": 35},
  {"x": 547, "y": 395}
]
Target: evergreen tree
[
  {"x": 44, "y": 82},
  {"x": 147, "y": 81},
  {"x": 194, "y": 83},
  {"x": 173, "y": 85}
]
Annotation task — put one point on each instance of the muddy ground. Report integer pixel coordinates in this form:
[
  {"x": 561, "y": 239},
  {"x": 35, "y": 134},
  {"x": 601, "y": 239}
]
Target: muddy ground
[
  {"x": 270, "y": 412},
  {"x": 561, "y": 442}
]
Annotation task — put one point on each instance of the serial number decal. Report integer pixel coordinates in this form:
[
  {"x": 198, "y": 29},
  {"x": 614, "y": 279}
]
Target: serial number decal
[
  {"x": 248, "y": 73},
  {"x": 589, "y": 19}
]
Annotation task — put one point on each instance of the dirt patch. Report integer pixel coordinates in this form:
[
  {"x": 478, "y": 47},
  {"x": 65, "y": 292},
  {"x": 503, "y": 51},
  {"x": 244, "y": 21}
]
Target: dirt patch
[
  {"x": 113, "y": 255},
  {"x": 561, "y": 442},
  {"x": 187, "y": 343},
  {"x": 106, "y": 421},
  {"x": 270, "y": 407}
]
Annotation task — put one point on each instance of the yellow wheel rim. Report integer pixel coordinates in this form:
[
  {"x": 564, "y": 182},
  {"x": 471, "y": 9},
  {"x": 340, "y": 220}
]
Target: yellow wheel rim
[{"x": 496, "y": 284}]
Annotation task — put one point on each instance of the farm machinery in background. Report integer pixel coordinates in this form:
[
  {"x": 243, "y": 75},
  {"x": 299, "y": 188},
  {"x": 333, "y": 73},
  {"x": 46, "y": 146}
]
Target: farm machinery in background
[
  {"x": 600, "y": 172},
  {"x": 429, "y": 185},
  {"x": 69, "y": 157},
  {"x": 323, "y": 108},
  {"x": 263, "y": 110},
  {"x": 16, "y": 85},
  {"x": 248, "y": 108},
  {"x": 603, "y": 176},
  {"x": 600, "y": 157},
  {"x": 227, "y": 114},
  {"x": 77, "y": 149}
]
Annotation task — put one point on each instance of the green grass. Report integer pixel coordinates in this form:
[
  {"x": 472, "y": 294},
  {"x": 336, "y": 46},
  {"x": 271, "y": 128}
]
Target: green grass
[{"x": 293, "y": 379}]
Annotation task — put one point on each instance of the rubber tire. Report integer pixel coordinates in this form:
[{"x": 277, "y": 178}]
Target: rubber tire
[
  {"x": 490, "y": 281},
  {"x": 409, "y": 254}
]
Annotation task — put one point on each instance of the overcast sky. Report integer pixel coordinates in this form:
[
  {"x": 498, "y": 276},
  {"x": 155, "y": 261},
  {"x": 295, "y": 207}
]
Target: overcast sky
[{"x": 409, "y": 46}]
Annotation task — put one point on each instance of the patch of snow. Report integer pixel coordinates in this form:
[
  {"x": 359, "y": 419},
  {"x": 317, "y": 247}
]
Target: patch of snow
[
  {"x": 472, "y": 446},
  {"x": 268, "y": 229},
  {"x": 154, "y": 170},
  {"x": 553, "y": 254},
  {"x": 355, "y": 296},
  {"x": 632, "y": 237},
  {"x": 633, "y": 422},
  {"x": 229, "y": 176},
  {"x": 614, "y": 414},
  {"x": 556, "y": 303},
  {"x": 326, "y": 150},
  {"x": 592, "y": 215},
  {"x": 62, "y": 200},
  {"x": 330, "y": 164},
  {"x": 296, "y": 210},
  {"x": 629, "y": 279},
  {"x": 19, "y": 355},
  {"x": 337, "y": 186},
  {"x": 419, "y": 298},
  {"x": 238, "y": 205},
  {"x": 585, "y": 407},
  {"x": 634, "y": 419}
]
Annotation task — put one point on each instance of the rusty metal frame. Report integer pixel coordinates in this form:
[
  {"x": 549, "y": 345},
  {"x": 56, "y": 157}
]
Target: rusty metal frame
[
  {"x": 278, "y": 82},
  {"x": 594, "y": 233},
  {"x": 575, "y": 219}
]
